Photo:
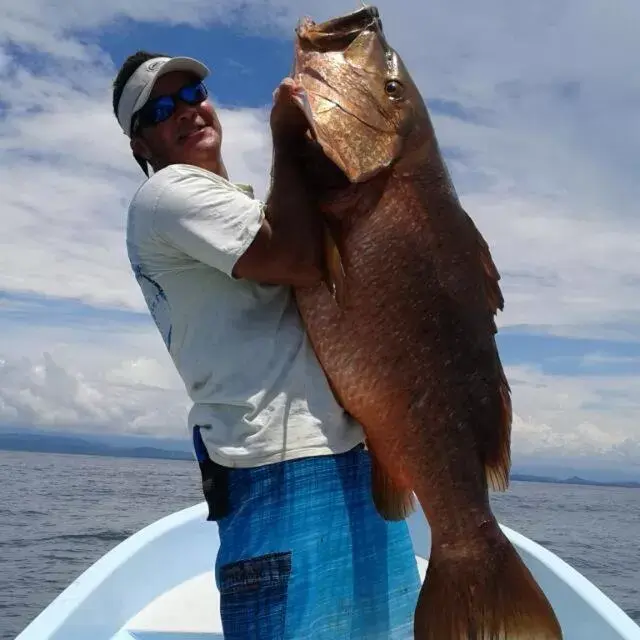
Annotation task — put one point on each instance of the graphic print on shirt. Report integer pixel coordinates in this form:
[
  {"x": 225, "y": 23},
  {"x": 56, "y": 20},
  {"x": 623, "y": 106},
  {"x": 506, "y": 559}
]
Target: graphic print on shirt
[{"x": 157, "y": 302}]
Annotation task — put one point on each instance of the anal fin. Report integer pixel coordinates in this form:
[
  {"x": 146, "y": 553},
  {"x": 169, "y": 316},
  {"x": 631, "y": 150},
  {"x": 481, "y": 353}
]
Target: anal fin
[
  {"x": 393, "y": 501},
  {"x": 497, "y": 458}
]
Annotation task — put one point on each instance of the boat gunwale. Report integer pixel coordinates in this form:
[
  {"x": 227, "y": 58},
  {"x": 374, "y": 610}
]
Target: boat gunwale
[{"x": 69, "y": 603}]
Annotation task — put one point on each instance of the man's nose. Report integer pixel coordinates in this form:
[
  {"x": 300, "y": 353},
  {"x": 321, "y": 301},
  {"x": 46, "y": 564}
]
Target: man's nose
[{"x": 185, "y": 111}]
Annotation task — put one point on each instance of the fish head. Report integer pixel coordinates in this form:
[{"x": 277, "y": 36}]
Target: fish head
[{"x": 363, "y": 107}]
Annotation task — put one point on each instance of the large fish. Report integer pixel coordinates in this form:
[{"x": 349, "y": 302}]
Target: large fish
[{"x": 406, "y": 332}]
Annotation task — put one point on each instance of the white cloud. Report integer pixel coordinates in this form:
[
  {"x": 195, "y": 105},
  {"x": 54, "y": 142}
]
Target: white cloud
[
  {"x": 545, "y": 163},
  {"x": 113, "y": 380},
  {"x": 560, "y": 415},
  {"x": 560, "y": 274},
  {"x": 598, "y": 358},
  {"x": 121, "y": 381}
]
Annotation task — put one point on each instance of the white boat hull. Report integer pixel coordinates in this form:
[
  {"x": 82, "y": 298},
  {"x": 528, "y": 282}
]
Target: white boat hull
[{"x": 159, "y": 585}]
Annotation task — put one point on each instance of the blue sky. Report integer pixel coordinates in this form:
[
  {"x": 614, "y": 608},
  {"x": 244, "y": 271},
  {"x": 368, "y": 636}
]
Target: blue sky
[
  {"x": 535, "y": 106},
  {"x": 245, "y": 67}
]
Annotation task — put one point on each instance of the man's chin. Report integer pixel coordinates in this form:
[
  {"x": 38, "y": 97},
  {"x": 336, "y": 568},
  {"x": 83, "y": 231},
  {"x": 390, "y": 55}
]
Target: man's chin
[
  {"x": 200, "y": 151},
  {"x": 202, "y": 143}
]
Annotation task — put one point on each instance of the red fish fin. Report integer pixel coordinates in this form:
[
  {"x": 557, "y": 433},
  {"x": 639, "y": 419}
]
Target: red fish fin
[
  {"x": 482, "y": 591},
  {"x": 495, "y": 299},
  {"x": 497, "y": 437},
  {"x": 497, "y": 454},
  {"x": 335, "y": 278},
  {"x": 392, "y": 501}
]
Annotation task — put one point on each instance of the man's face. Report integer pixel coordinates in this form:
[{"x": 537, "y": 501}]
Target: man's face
[{"x": 192, "y": 135}]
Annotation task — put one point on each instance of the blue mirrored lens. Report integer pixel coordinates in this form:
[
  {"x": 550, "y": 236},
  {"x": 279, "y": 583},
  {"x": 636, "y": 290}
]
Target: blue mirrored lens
[
  {"x": 161, "y": 108},
  {"x": 193, "y": 94}
]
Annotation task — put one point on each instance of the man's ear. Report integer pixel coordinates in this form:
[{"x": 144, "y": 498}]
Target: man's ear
[{"x": 140, "y": 148}]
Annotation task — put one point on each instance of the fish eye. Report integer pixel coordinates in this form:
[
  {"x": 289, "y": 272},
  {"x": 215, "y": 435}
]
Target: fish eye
[{"x": 394, "y": 89}]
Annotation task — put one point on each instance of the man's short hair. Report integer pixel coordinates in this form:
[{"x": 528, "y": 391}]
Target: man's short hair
[{"x": 127, "y": 69}]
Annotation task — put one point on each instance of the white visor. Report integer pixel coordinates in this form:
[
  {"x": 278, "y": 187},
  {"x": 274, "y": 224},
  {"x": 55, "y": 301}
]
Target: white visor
[{"x": 139, "y": 86}]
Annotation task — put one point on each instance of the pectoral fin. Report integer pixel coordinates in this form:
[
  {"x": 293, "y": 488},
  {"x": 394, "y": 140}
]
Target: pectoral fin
[{"x": 335, "y": 277}]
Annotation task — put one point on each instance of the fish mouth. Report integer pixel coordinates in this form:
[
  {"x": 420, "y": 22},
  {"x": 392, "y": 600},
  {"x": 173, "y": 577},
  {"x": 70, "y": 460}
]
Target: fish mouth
[
  {"x": 340, "y": 32},
  {"x": 334, "y": 35},
  {"x": 324, "y": 92}
]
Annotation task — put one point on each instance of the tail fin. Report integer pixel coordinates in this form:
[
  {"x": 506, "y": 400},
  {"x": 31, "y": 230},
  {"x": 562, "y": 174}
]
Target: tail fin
[{"x": 482, "y": 593}]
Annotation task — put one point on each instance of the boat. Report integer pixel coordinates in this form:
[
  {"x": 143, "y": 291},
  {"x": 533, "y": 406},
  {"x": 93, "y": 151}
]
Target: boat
[{"x": 158, "y": 584}]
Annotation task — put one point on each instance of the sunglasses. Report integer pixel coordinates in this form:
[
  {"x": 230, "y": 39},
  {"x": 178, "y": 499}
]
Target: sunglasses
[{"x": 161, "y": 108}]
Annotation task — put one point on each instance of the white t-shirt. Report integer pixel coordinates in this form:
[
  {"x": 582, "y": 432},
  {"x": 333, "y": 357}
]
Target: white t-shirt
[{"x": 257, "y": 388}]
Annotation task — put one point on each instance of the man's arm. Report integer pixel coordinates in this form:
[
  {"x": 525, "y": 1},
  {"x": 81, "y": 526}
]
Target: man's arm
[{"x": 288, "y": 246}]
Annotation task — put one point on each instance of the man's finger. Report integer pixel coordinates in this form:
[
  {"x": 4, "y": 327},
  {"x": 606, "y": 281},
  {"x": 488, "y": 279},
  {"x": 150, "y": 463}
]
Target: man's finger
[{"x": 286, "y": 88}]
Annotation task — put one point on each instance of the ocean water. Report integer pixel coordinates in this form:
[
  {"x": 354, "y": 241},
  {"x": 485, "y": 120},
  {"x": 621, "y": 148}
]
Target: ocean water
[{"x": 60, "y": 513}]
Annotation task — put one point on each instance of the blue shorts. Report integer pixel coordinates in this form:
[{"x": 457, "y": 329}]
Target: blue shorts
[{"x": 304, "y": 554}]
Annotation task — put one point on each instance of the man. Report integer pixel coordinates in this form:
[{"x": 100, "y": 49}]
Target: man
[{"x": 303, "y": 552}]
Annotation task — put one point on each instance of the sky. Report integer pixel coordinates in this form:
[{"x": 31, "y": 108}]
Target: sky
[{"x": 535, "y": 107}]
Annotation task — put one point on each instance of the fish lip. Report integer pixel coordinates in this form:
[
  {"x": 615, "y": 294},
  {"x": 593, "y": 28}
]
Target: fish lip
[
  {"x": 338, "y": 31},
  {"x": 360, "y": 18}
]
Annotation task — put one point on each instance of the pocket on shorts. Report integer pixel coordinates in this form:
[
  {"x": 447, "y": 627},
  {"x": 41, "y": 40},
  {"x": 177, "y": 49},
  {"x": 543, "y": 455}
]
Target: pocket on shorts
[{"x": 253, "y": 597}]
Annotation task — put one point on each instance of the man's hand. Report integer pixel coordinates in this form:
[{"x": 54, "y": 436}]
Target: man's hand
[{"x": 288, "y": 121}]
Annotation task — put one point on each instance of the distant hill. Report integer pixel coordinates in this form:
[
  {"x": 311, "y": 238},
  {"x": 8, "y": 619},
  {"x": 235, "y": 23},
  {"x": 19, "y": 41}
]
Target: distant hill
[
  {"x": 574, "y": 480},
  {"x": 44, "y": 442}
]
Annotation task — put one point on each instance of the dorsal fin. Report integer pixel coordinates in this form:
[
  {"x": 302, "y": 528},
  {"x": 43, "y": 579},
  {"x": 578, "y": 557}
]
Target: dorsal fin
[
  {"x": 497, "y": 442},
  {"x": 474, "y": 284}
]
